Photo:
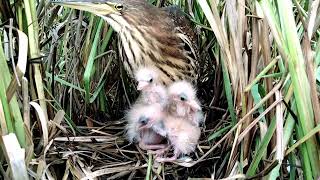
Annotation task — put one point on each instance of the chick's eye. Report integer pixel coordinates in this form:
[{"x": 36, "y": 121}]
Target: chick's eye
[
  {"x": 118, "y": 7},
  {"x": 151, "y": 80},
  {"x": 144, "y": 120},
  {"x": 183, "y": 97}
]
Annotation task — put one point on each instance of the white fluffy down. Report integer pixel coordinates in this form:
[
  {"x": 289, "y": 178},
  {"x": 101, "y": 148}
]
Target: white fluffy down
[
  {"x": 146, "y": 73},
  {"x": 152, "y": 91},
  {"x": 182, "y": 134},
  {"x": 133, "y": 115},
  {"x": 186, "y": 143},
  {"x": 180, "y": 87}
]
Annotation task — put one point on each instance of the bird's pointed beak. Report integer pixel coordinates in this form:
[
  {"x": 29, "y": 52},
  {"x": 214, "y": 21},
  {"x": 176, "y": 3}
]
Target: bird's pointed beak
[
  {"x": 194, "y": 105},
  {"x": 98, "y": 7},
  {"x": 142, "y": 85}
]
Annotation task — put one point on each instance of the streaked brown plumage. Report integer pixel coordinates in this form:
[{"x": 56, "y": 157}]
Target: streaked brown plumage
[{"x": 161, "y": 38}]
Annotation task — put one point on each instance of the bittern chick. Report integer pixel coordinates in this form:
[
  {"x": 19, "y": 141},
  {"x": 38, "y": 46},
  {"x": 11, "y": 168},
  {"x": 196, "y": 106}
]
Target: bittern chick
[
  {"x": 184, "y": 103},
  {"x": 182, "y": 135},
  {"x": 151, "y": 90},
  {"x": 139, "y": 116}
]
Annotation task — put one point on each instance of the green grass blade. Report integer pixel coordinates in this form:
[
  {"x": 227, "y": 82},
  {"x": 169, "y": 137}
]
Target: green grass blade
[
  {"x": 34, "y": 50},
  {"x": 227, "y": 87},
  {"x": 289, "y": 41},
  {"x": 262, "y": 149},
  {"x": 14, "y": 105},
  {"x": 106, "y": 40},
  {"x": 257, "y": 98},
  {"x": 90, "y": 65},
  {"x": 5, "y": 106},
  {"x": 219, "y": 133}
]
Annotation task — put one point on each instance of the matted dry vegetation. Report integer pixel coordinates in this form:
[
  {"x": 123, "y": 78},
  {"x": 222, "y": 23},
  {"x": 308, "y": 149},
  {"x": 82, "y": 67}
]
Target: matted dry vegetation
[{"x": 64, "y": 93}]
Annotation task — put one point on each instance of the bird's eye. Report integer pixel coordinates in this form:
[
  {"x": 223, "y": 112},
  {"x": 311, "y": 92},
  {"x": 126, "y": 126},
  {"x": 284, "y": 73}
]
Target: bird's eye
[
  {"x": 143, "y": 120},
  {"x": 183, "y": 97},
  {"x": 151, "y": 80},
  {"x": 118, "y": 7}
]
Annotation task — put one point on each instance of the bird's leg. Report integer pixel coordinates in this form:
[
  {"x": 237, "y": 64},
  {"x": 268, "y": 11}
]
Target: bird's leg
[
  {"x": 145, "y": 146},
  {"x": 170, "y": 159},
  {"x": 160, "y": 152}
]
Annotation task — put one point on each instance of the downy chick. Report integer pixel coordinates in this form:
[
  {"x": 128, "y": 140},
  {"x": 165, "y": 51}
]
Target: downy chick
[
  {"x": 151, "y": 91},
  {"x": 183, "y": 136},
  {"x": 183, "y": 102},
  {"x": 138, "y": 117}
]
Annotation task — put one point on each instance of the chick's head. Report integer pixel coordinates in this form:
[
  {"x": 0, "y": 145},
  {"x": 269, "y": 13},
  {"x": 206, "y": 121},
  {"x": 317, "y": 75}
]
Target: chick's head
[
  {"x": 146, "y": 77},
  {"x": 182, "y": 93}
]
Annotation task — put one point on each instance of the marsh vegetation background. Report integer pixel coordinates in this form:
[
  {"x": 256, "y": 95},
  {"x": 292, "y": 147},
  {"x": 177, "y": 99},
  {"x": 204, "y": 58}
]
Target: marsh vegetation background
[{"x": 64, "y": 93}]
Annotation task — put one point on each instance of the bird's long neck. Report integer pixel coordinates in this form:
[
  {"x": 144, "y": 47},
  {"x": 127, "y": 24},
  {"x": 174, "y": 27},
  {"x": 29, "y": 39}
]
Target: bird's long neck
[{"x": 147, "y": 45}]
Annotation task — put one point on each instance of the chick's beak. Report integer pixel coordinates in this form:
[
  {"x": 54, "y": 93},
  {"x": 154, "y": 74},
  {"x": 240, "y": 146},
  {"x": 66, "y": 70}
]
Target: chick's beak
[
  {"x": 98, "y": 7},
  {"x": 143, "y": 120},
  {"x": 194, "y": 105},
  {"x": 142, "y": 85}
]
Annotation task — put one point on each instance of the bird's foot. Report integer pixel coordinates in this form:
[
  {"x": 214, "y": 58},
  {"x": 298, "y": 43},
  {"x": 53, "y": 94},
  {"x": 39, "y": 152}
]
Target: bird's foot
[
  {"x": 152, "y": 146},
  {"x": 161, "y": 151},
  {"x": 171, "y": 159}
]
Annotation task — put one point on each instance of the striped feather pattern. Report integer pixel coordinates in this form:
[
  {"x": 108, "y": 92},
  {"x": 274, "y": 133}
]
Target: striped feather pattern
[{"x": 155, "y": 42}]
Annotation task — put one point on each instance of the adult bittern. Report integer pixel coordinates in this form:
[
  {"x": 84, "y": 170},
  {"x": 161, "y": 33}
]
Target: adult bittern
[{"x": 161, "y": 38}]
